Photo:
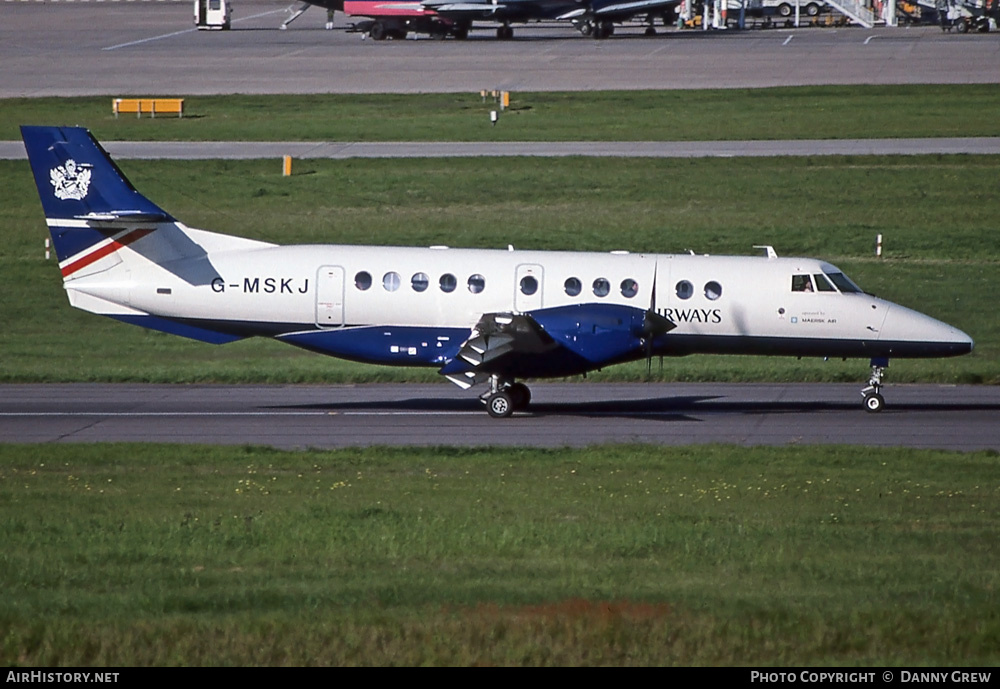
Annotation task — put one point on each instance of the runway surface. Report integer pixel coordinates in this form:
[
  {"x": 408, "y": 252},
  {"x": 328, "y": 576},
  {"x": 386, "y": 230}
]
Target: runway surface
[
  {"x": 119, "y": 49},
  {"x": 562, "y": 414},
  {"x": 237, "y": 150}
]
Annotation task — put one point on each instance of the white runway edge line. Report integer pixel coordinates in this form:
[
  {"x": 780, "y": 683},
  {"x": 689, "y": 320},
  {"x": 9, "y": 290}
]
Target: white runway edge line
[
  {"x": 126, "y": 414},
  {"x": 236, "y": 414},
  {"x": 167, "y": 414},
  {"x": 185, "y": 31}
]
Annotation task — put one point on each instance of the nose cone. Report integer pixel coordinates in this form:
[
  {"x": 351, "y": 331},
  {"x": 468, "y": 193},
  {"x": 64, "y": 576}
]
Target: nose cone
[{"x": 909, "y": 333}]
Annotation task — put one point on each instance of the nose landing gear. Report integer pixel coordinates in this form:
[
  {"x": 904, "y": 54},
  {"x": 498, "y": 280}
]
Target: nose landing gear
[{"x": 874, "y": 402}]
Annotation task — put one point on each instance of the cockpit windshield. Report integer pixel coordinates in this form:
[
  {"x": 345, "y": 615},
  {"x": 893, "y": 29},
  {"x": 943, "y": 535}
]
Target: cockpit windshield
[{"x": 844, "y": 283}]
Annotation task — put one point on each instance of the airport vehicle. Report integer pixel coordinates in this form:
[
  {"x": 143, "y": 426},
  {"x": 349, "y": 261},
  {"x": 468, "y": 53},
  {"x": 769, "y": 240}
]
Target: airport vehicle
[
  {"x": 481, "y": 317},
  {"x": 213, "y": 14},
  {"x": 970, "y": 15}
]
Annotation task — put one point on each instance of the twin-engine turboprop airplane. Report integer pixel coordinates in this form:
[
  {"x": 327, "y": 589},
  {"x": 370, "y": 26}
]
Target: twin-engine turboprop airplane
[{"x": 479, "y": 316}]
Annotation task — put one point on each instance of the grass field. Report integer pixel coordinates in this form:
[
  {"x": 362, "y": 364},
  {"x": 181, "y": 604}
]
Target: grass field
[
  {"x": 152, "y": 555},
  {"x": 824, "y": 112}
]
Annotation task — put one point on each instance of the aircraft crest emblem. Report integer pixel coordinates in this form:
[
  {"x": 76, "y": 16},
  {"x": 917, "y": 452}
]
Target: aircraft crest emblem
[{"x": 71, "y": 181}]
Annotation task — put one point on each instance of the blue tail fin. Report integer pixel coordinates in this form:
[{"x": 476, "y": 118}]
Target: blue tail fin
[{"x": 86, "y": 198}]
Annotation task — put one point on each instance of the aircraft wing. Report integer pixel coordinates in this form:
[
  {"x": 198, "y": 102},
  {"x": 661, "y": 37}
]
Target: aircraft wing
[
  {"x": 618, "y": 11},
  {"x": 558, "y": 341},
  {"x": 500, "y": 10},
  {"x": 631, "y": 8},
  {"x": 409, "y": 6},
  {"x": 453, "y": 8}
]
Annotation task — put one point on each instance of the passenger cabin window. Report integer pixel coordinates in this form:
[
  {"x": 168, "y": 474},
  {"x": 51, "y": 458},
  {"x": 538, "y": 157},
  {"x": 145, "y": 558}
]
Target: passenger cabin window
[
  {"x": 802, "y": 283},
  {"x": 573, "y": 286},
  {"x": 822, "y": 284},
  {"x": 713, "y": 290},
  {"x": 390, "y": 281},
  {"x": 477, "y": 283},
  {"x": 419, "y": 282},
  {"x": 448, "y": 283},
  {"x": 629, "y": 288},
  {"x": 602, "y": 287},
  {"x": 363, "y": 280},
  {"x": 684, "y": 289},
  {"x": 529, "y": 285}
]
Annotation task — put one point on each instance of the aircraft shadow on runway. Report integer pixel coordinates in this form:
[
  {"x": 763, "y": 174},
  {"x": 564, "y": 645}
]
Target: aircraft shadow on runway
[{"x": 686, "y": 408}]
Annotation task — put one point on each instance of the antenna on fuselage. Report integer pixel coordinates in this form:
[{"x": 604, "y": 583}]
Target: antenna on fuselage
[{"x": 768, "y": 250}]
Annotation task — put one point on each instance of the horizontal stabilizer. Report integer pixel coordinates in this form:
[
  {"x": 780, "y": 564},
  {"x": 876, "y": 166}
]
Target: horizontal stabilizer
[{"x": 125, "y": 217}]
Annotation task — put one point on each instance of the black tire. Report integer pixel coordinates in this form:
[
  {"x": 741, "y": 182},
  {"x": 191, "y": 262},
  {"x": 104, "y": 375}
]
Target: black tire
[
  {"x": 500, "y": 405},
  {"x": 962, "y": 25},
  {"x": 874, "y": 403},
  {"x": 650, "y": 31},
  {"x": 603, "y": 30},
  {"x": 520, "y": 395},
  {"x": 812, "y": 10},
  {"x": 785, "y": 10},
  {"x": 378, "y": 31}
]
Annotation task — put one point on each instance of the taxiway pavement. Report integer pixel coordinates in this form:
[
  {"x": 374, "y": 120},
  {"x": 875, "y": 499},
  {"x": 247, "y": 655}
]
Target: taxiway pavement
[
  {"x": 152, "y": 48},
  {"x": 561, "y": 414},
  {"x": 241, "y": 150}
]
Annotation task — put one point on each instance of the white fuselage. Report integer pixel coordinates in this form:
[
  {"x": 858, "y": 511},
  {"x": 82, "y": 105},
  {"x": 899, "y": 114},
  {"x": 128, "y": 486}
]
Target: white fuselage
[{"x": 718, "y": 303}]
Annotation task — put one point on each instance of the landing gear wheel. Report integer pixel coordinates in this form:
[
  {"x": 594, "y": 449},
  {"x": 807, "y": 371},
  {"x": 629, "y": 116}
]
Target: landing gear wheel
[
  {"x": 499, "y": 405},
  {"x": 873, "y": 399},
  {"x": 520, "y": 395},
  {"x": 874, "y": 403}
]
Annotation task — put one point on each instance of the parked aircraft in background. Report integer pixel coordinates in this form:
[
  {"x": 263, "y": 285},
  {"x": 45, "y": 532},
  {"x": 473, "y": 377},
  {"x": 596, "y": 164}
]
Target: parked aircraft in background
[
  {"x": 591, "y": 17},
  {"x": 481, "y": 317},
  {"x": 441, "y": 18}
]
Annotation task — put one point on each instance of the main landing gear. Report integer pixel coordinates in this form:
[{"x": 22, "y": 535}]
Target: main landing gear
[
  {"x": 874, "y": 401},
  {"x": 505, "y": 397}
]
